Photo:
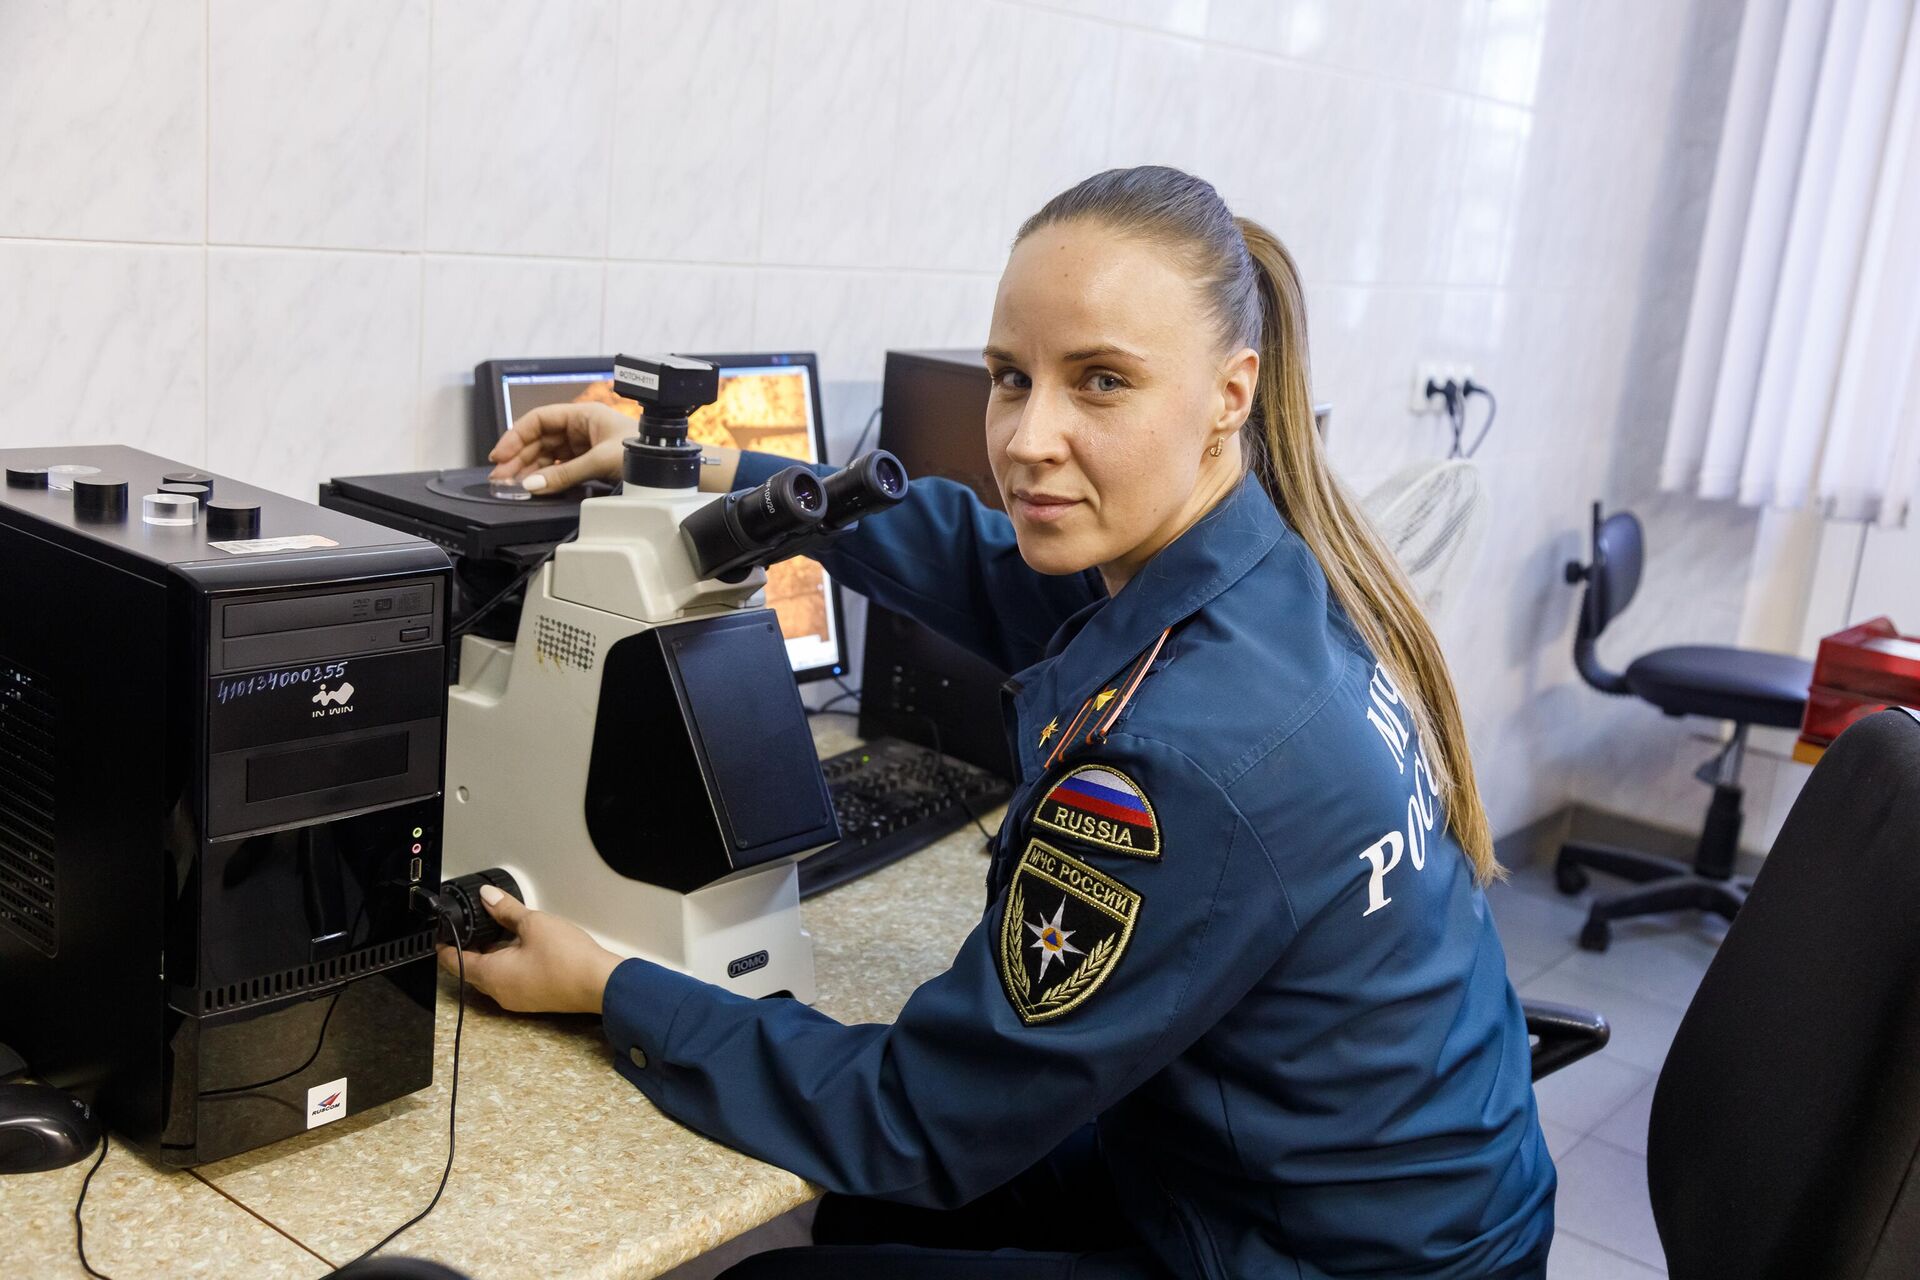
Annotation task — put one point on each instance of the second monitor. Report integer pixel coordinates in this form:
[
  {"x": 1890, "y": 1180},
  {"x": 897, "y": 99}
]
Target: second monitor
[{"x": 769, "y": 401}]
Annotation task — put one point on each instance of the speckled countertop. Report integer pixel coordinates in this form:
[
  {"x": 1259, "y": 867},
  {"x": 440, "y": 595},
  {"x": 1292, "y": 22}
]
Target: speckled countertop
[{"x": 563, "y": 1169}]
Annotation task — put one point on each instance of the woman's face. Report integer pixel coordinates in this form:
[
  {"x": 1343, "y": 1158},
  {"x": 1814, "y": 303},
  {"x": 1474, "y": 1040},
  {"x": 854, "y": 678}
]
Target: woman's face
[{"x": 1109, "y": 387}]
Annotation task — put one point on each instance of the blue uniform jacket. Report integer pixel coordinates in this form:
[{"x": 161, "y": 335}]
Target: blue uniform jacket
[{"x": 1225, "y": 918}]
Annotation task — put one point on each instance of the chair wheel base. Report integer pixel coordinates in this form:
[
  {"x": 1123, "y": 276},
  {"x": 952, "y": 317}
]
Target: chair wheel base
[
  {"x": 1570, "y": 877},
  {"x": 1595, "y": 935}
]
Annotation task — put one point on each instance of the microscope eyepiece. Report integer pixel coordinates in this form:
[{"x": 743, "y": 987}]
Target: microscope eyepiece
[
  {"x": 872, "y": 482},
  {"x": 789, "y": 515},
  {"x": 732, "y": 534},
  {"x": 788, "y": 502}
]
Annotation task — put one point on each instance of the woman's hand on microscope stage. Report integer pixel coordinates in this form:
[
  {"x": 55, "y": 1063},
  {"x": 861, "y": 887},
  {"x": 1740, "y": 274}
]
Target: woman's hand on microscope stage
[
  {"x": 550, "y": 965},
  {"x": 558, "y": 446}
]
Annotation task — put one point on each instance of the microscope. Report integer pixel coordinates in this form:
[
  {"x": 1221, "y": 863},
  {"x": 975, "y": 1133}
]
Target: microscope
[{"x": 637, "y": 758}]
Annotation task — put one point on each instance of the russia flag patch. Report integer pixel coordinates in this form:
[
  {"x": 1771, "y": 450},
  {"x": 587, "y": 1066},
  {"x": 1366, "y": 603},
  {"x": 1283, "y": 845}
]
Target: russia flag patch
[{"x": 1099, "y": 805}]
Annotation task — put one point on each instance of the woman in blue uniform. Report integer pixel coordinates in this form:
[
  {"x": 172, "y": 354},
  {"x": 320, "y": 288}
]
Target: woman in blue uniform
[{"x": 1235, "y": 1006}]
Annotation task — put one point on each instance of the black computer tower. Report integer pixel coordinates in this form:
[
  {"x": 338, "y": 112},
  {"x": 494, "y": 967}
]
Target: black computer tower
[{"x": 221, "y": 754}]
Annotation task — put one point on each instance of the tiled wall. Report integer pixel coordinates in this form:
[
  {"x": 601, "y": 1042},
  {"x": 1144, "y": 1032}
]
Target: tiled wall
[{"x": 273, "y": 239}]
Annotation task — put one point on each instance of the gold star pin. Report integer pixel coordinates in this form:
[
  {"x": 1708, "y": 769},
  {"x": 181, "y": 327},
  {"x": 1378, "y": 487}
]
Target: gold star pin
[
  {"x": 1053, "y": 726},
  {"x": 1101, "y": 699}
]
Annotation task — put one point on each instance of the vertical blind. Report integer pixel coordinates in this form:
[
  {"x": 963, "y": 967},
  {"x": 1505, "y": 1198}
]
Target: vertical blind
[{"x": 1799, "y": 379}]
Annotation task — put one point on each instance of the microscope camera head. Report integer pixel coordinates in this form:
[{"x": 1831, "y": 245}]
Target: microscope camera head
[{"x": 670, "y": 389}]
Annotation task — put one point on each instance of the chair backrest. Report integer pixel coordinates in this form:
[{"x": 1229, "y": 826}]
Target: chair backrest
[
  {"x": 1619, "y": 546},
  {"x": 1612, "y": 576},
  {"x": 1785, "y": 1133}
]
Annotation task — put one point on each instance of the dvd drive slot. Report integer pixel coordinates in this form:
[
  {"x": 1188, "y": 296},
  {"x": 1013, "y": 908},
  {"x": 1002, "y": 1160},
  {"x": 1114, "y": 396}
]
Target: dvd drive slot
[
  {"x": 322, "y": 642},
  {"x": 249, "y": 634},
  {"x": 338, "y": 608}
]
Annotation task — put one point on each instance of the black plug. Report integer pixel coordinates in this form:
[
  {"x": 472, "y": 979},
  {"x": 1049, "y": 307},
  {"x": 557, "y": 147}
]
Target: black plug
[
  {"x": 1468, "y": 390},
  {"x": 1449, "y": 393}
]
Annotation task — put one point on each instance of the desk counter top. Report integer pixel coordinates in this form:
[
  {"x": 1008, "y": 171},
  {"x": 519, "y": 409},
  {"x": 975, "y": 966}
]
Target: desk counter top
[{"x": 563, "y": 1168}]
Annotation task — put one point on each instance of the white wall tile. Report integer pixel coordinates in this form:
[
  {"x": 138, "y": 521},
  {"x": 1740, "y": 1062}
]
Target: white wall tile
[
  {"x": 956, "y": 124},
  {"x": 1158, "y": 89},
  {"x": 936, "y": 310},
  {"x": 691, "y": 121},
  {"x": 836, "y": 79},
  {"x": 1174, "y": 17},
  {"x": 1513, "y": 63},
  {"x": 856, "y": 318},
  {"x": 101, "y": 120},
  {"x": 312, "y": 365},
  {"x": 475, "y": 309},
  {"x": 657, "y": 307},
  {"x": 1478, "y": 247},
  {"x": 520, "y": 125},
  {"x": 1513, "y": 183},
  {"x": 316, "y": 122},
  {"x": 104, "y": 344},
  {"x": 1251, "y": 141},
  {"x": 846, "y": 316},
  {"x": 1060, "y": 120}
]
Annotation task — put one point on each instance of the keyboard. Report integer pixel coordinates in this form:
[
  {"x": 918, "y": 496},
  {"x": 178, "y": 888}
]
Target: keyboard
[{"x": 894, "y": 798}]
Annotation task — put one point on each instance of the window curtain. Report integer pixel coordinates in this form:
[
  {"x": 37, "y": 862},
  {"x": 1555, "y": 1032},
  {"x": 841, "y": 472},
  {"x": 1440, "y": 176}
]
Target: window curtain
[{"x": 1799, "y": 381}]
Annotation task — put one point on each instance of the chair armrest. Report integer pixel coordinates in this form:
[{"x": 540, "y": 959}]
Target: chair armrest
[{"x": 1562, "y": 1034}]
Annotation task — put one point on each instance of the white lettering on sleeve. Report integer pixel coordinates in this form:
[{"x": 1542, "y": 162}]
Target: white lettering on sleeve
[{"x": 1384, "y": 857}]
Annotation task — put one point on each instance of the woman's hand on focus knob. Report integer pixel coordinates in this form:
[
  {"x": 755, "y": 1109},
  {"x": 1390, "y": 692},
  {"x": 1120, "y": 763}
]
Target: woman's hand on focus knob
[
  {"x": 549, "y": 965},
  {"x": 558, "y": 446}
]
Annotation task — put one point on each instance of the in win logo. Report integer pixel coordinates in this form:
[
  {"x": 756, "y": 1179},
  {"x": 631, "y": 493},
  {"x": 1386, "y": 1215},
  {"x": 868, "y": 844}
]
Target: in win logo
[
  {"x": 338, "y": 697},
  {"x": 326, "y": 1102}
]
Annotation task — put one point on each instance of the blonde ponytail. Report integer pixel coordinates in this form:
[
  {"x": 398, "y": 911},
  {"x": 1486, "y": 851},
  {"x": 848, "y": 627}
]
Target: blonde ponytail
[
  {"x": 1256, "y": 294},
  {"x": 1283, "y": 446}
]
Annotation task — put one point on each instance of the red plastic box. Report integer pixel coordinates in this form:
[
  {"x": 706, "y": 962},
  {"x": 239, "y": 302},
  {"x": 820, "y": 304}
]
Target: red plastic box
[{"x": 1866, "y": 668}]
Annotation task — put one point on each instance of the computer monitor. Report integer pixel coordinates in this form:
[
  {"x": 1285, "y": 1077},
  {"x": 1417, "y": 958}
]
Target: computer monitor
[
  {"x": 769, "y": 401},
  {"x": 915, "y": 684}
]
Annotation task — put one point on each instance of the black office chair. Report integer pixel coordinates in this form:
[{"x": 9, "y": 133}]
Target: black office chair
[
  {"x": 1784, "y": 1141},
  {"x": 397, "y": 1268},
  {"x": 1745, "y": 686},
  {"x": 1562, "y": 1034}
]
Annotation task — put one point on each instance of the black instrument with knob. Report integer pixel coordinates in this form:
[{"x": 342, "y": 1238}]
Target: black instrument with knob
[
  {"x": 100, "y": 497},
  {"x": 220, "y": 784},
  {"x": 231, "y": 519}
]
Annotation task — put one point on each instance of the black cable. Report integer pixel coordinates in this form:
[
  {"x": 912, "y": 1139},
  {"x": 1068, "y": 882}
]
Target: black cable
[
  {"x": 1472, "y": 388},
  {"x": 861, "y": 443},
  {"x": 1453, "y": 401},
  {"x": 353, "y": 934},
  {"x": 441, "y": 911},
  {"x": 318, "y": 1044},
  {"x": 826, "y": 708},
  {"x": 79, "y": 1225},
  {"x": 520, "y": 579},
  {"x": 446, "y": 913},
  {"x": 844, "y": 695},
  {"x": 959, "y": 795}
]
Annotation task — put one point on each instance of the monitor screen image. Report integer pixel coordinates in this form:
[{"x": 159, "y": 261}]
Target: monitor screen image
[{"x": 765, "y": 407}]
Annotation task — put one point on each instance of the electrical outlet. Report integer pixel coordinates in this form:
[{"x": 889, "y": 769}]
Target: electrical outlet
[{"x": 1438, "y": 372}]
